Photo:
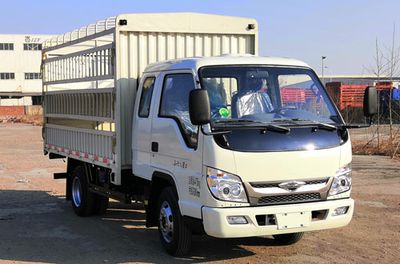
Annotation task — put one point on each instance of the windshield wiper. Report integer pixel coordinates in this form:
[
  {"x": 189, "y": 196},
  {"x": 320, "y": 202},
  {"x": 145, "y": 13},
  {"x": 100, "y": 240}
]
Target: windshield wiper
[
  {"x": 277, "y": 128},
  {"x": 237, "y": 123},
  {"x": 234, "y": 121},
  {"x": 317, "y": 124}
]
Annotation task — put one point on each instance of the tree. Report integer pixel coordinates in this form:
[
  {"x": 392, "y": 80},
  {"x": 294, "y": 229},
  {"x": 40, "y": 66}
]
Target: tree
[{"x": 387, "y": 64}]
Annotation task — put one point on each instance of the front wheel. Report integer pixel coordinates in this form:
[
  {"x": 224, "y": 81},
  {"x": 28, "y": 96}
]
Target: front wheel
[
  {"x": 175, "y": 235},
  {"x": 288, "y": 239}
]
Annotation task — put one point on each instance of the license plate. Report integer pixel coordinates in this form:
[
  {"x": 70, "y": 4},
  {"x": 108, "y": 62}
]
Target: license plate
[{"x": 293, "y": 220}]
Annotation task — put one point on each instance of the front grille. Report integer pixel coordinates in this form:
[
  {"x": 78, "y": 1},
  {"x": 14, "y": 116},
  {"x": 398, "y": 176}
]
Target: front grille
[
  {"x": 289, "y": 198},
  {"x": 276, "y": 184}
]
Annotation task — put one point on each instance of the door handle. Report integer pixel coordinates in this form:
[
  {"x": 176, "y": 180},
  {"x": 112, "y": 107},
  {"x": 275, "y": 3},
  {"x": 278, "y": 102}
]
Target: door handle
[{"x": 154, "y": 146}]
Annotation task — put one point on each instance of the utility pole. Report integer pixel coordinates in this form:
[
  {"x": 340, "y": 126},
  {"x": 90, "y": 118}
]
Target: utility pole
[{"x": 322, "y": 69}]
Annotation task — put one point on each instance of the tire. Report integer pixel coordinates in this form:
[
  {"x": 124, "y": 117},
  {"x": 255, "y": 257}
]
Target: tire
[
  {"x": 175, "y": 235},
  {"x": 288, "y": 239},
  {"x": 82, "y": 200}
]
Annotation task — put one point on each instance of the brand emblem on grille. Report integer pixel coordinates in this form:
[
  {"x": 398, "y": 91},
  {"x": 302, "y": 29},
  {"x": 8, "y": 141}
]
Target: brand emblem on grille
[{"x": 291, "y": 185}]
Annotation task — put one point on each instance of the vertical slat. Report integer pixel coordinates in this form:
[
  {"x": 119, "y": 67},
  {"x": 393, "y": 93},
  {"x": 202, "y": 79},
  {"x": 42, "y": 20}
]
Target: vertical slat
[
  {"x": 225, "y": 45},
  {"x": 161, "y": 46},
  {"x": 189, "y": 45},
  {"x": 96, "y": 56},
  {"x": 83, "y": 59},
  {"x": 170, "y": 46},
  {"x": 180, "y": 45},
  {"x": 101, "y": 62},
  {"x": 198, "y": 46},
  {"x": 110, "y": 62},
  {"x": 142, "y": 51},
  {"x": 207, "y": 51},
  {"x": 74, "y": 67},
  {"x": 152, "y": 47},
  {"x": 242, "y": 45},
  {"x": 216, "y": 45},
  {"x": 234, "y": 45}
]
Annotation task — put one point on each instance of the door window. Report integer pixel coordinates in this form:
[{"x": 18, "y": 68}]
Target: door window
[
  {"x": 175, "y": 104},
  {"x": 145, "y": 98}
]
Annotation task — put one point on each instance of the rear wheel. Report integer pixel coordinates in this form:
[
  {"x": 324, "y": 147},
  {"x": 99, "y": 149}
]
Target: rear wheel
[
  {"x": 82, "y": 200},
  {"x": 288, "y": 239},
  {"x": 175, "y": 235}
]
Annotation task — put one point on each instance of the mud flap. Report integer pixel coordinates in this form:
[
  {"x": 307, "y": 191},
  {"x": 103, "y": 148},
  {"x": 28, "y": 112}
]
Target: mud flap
[{"x": 68, "y": 195}]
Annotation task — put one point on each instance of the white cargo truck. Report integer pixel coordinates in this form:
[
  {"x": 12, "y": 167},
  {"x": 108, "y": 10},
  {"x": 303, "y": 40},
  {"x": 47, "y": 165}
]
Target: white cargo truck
[{"x": 147, "y": 108}]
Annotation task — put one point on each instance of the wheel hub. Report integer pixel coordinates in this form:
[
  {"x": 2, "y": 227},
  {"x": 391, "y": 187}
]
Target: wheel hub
[
  {"x": 166, "y": 222},
  {"x": 76, "y": 192}
]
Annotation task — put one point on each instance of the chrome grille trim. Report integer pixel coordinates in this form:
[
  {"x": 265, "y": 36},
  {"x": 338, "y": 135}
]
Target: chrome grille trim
[
  {"x": 276, "y": 184},
  {"x": 313, "y": 191}
]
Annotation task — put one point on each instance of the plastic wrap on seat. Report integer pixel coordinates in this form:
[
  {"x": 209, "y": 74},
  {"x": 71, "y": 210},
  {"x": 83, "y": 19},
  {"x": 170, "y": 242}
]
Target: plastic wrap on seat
[{"x": 253, "y": 103}]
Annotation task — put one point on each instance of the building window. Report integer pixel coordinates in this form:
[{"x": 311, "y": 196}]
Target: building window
[
  {"x": 32, "y": 46},
  {"x": 33, "y": 75},
  {"x": 37, "y": 100},
  {"x": 6, "y": 46},
  {"x": 7, "y": 76}
]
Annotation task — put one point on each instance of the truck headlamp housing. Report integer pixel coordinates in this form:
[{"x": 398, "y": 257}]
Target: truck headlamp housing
[
  {"x": 225, "y": 186},
  {"x": 342, "y": 181}
]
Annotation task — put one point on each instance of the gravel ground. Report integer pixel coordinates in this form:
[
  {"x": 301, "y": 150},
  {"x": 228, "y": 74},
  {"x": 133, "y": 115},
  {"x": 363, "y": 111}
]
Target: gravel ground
[{"x": 37, "y": 225}]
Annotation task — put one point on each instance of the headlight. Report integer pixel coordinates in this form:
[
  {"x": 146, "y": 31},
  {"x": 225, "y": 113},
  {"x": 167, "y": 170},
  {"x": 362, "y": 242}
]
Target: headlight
[
  {"x": 225, "y": 186},
  {"x": 341, "y": 181}
]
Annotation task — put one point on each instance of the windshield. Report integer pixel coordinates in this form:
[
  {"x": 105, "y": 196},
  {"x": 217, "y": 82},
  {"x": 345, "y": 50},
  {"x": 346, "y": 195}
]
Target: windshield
[{"x": 266, "y": 94}]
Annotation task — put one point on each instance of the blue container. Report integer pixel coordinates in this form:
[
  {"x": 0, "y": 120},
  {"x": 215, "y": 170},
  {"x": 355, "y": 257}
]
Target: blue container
[{"x": 396, "y": 94}]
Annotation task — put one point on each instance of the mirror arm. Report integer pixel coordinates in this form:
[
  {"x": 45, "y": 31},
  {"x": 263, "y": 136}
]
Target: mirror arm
[
  {"x": 370, "y": 123},
  {"x": 359, "y": 125},
  {"x": 356, "y": 126}
]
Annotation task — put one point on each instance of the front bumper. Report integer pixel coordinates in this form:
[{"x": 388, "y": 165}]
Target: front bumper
[{"x": 291, "y": 218}]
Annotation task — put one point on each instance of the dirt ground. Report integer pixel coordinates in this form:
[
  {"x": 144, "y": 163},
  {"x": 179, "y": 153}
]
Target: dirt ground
[{"x": 38, "y": 225}]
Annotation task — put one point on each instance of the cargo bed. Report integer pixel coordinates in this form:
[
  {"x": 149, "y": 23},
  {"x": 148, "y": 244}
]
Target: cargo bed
[{"x": 90, "y": 76}]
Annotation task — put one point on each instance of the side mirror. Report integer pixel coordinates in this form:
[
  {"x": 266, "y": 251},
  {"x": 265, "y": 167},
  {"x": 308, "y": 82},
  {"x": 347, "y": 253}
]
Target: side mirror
[
  {"x": 199, "y": 107},
  {"x": 370, "y": 101}
]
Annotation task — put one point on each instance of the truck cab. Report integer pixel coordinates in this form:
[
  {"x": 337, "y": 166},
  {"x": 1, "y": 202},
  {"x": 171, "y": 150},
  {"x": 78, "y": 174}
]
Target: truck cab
[{"x": 273, "y": 159}]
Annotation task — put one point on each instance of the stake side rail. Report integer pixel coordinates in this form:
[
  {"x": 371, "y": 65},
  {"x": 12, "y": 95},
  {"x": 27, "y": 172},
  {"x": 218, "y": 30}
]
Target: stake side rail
[
  {"x": 82, "y": 144},
  {"x": 94, "y": 64},
  {"x": 79, "y": 96}
]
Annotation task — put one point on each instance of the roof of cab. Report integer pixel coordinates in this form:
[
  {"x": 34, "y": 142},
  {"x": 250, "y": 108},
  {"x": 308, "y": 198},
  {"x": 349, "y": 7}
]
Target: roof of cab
[{"x": 197, "y": 62}]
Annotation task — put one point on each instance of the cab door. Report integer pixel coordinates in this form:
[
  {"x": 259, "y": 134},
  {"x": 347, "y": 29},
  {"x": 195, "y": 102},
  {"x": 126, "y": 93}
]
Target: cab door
[
  {"x": 141, "y": 129},
  {"x": 176, "y": 149}
]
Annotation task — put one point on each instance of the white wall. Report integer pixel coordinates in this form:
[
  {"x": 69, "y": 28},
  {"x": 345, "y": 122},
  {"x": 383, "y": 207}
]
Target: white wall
[
  {"x": 27, "y": 100},
  {"x": 19, "y": 62}
]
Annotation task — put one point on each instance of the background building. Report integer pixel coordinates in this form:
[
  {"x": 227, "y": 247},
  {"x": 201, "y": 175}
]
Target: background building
[
  {"x": 20, "y": 77},
  {"x": 359, "y": 79}
]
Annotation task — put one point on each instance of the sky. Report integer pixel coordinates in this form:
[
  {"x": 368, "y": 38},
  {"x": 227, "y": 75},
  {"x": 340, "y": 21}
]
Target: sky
[{"x": 343, "y": 31}]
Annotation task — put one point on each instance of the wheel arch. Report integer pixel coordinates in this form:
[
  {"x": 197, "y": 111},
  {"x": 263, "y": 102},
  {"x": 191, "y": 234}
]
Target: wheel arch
[{"x": 159, "y": 181}]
